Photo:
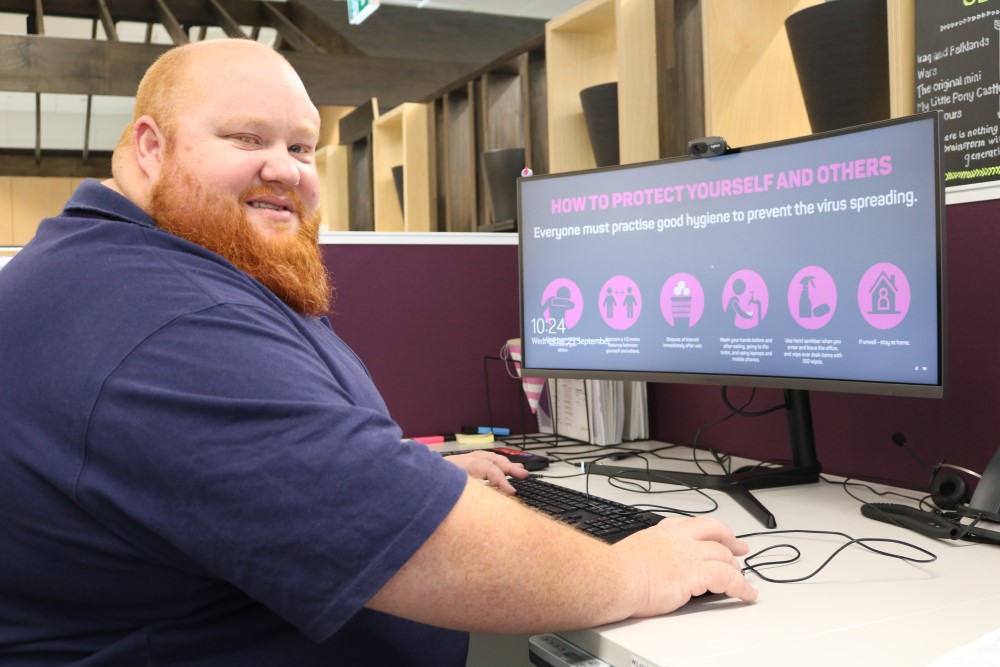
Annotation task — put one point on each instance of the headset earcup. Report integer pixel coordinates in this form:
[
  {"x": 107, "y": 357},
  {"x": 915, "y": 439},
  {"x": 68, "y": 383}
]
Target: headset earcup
[{"x": 949, "y": 490}]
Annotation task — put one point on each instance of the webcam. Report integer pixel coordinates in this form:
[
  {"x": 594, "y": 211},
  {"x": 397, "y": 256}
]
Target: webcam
[{"x": 707, "y": 147}]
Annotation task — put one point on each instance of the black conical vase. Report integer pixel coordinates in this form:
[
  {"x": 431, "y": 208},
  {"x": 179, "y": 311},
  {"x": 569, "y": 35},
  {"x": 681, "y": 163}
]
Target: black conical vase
[
  {"x": 841, "y": 54},
  {"x": 397, "y": 179},
  {"x": 501, "y": 168},
  {"x": 600, "y": 111}
]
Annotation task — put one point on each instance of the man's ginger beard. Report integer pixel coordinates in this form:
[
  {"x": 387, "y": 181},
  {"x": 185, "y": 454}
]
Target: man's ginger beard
[{"x": 291, "y": 267}]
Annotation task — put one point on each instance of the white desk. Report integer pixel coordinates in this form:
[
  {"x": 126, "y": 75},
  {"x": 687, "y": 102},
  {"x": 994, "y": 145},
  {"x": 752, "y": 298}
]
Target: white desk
[{"x": 862, "y": 609}]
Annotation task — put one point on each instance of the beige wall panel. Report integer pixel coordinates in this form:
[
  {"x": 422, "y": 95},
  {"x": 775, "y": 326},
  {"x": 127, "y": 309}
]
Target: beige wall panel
[
  {"x": 6, "y": 212},
  {"x": 902, "y": 57},
  {"x": 332, "y": 162},
  {"x": 404, "y": 136},
  {"x": 35, "y": 198},
  {"x": 387, "y": 152},
  {"x": 419, "y": 179},
  {"x": 752, "y": 92},
  {"x": 329, "y": 129},
  {"x": 581, "y": 50},
  {"x": 638, "y": 101}
]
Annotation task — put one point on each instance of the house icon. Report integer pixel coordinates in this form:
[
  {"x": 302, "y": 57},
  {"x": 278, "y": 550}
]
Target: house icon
[{"x": 883, "y": 294}]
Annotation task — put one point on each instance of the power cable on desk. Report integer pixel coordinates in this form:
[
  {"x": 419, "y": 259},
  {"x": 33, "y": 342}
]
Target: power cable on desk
[
  {"x": 550, "y": 476},
  {"x": 848, "y": 482},
  {"x": 750, "y": 564}
]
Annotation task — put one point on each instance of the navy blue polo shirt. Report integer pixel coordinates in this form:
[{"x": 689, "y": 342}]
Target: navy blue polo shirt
[{"x": 191, "y": 473}]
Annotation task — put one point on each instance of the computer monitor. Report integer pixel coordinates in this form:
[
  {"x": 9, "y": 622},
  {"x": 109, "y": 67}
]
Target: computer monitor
[{"x": 811, "y": 264}]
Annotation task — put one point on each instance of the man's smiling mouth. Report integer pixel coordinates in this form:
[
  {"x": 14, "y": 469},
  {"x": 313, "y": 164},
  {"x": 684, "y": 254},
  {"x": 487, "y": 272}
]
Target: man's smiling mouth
[{"x": 274, "y": 207}]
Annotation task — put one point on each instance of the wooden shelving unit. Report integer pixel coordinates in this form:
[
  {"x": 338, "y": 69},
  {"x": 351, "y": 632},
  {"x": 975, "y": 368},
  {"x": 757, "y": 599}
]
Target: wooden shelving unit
[
  {"x": 598, "y": 42},
  {"x": 455, "y": 138},
  {"x": 511, "y": 105},
  {"x": 404, "y": 136},
  {"x": 333, "y": 165},
  {"x": 684, "y": 69},
  {"x": 500, "y": 105},
  {"x": 902, "y": 57},
  {"x": 752, "y": 92},
  {"x": 580, "y": 51},
  {"x": 355, "y": 132},
  {"x": 6, "y": 212}
]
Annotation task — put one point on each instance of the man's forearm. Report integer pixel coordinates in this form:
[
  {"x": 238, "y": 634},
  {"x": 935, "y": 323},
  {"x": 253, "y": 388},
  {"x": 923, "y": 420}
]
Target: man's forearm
[{"x": 494, "y": 565}]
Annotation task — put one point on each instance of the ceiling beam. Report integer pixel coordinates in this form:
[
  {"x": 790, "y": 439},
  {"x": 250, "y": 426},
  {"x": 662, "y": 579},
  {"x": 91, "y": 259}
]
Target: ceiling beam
[
  {"x": 107, "y": 21},
  {"x": 75, "y": 66},
  {"x": 186, "y": 12},
  {"x": 14, "y": 162},
  {"x": 225, "y": 19},
  {"x": 39, "y": 16},
  {"x": 334, "y": 41},
  {"x": 290, "y": 34},
  {"x": 173, "y": 27}
]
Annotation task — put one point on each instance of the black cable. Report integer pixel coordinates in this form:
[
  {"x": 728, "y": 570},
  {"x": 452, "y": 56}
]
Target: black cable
[
  {"x": 734, "y": 411},
  {"x": 634, "y": 486},
  {"x": 751, "y": 566},
  {"x": 743, "y": 413},
  {"x": 848, "y": 482}
]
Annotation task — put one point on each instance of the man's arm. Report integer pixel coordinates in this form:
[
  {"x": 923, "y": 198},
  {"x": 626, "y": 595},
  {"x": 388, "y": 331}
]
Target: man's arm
[{"x": 495, "y": 565}]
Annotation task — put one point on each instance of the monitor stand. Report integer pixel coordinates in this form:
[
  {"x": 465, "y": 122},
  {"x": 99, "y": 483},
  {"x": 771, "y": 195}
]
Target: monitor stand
[{"x": 804, "y": 468}]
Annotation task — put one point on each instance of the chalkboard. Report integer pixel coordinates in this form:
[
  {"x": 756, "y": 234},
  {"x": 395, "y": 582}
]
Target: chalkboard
[{"x": 958, "y": 72}]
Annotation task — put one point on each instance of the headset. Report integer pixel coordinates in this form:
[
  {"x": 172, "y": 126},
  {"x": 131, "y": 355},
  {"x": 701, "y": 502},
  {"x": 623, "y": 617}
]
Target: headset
[
  {"x": 950, "y": 493},
  {"x": 949, "y": 490}
]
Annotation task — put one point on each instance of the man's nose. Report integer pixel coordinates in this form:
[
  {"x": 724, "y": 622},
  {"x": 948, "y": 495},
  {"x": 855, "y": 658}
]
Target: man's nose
[{"x": 281, "y": 167}]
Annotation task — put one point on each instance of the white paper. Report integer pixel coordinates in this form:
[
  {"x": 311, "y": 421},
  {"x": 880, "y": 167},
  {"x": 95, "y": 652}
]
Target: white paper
[{"x": 984, "y": 652}]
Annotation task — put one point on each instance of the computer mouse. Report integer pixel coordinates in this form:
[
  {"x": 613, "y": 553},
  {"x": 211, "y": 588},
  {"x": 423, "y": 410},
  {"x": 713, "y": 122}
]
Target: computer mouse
[{"x": 527, "y": 459}]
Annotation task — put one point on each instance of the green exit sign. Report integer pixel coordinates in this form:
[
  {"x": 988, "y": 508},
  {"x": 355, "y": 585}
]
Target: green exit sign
[{"x": 359, "y": 10}]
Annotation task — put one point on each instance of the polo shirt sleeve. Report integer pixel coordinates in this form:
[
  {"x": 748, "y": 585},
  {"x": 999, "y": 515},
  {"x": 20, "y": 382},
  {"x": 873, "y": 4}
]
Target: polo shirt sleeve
[{"x": 228, "y": 444}]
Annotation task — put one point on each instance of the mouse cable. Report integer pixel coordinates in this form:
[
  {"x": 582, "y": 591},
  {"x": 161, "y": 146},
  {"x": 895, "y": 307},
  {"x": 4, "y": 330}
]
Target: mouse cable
[
  {"x": 848, "y": 482},
  {"x": 750, "y": 563},
  {"x": 636, "y": 486}
]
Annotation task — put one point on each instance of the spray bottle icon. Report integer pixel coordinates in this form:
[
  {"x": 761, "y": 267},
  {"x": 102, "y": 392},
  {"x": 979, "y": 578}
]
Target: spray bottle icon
[{"x": 805, "y": 300}]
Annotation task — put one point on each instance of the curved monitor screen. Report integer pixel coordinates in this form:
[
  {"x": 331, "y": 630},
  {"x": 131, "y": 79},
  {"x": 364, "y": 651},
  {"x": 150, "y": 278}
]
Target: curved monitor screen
[{"x": 815, "y": 263}]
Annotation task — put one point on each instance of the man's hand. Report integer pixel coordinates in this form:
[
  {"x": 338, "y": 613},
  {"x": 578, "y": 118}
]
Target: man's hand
[
  {"x": 490, "y": 466},
  {"x": 681, "y": 558}
]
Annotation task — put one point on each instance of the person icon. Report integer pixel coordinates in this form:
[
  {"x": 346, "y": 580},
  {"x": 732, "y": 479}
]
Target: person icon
[
  {"x": 745, "y": 299},
  {"x": 558, "y": 304},
  {"x": 883, "y": 300},
  {"x": 609, "y": 305},
  {"x": 630, "y": 302},
  {"x": 562, "y": 303},
  {"x": 620, "y": 302},
  {"x": 734, "y": 309}
]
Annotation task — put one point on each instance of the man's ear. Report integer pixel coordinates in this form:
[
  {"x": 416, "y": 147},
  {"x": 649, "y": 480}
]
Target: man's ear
[{"x": 150, "y": 145}]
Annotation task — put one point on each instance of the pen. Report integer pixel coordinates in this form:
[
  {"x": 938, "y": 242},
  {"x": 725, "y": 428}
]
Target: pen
[
  {"x": 495, "y": 430},
  {"x": 434, "y": 439}
]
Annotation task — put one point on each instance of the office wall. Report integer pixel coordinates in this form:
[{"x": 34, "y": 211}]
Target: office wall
[{"x": 423, "y": 318}]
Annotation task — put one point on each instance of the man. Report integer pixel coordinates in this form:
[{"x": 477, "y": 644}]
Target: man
[{"x": 195, "y": 470}]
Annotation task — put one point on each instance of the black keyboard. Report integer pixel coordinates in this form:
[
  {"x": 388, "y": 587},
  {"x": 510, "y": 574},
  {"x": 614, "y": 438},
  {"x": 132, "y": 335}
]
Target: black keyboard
[{"x": 604, "y": 519}]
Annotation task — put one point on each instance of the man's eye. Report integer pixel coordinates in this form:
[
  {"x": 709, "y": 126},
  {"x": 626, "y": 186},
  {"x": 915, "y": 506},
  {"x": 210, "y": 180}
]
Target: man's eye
[{"x": 299, "y": 148}]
